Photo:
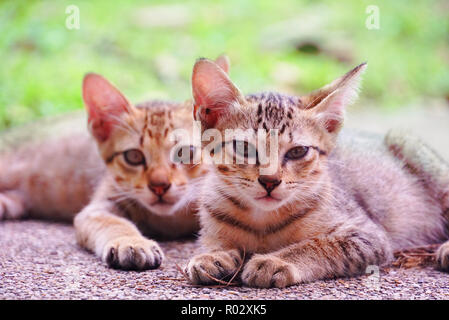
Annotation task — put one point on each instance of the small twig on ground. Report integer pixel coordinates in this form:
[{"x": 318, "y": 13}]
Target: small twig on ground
[
  {"x": 221, "y": 283},
  {"x": 239, "y": 268},
  {"x": 171, "y": 279},
  {"x": 416, "y": 257},
  {"x": 186, "y": 277}
]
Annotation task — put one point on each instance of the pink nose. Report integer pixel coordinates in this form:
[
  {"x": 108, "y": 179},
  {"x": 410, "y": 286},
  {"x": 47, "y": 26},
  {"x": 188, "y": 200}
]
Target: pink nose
[
  {"x": 159, "y": 182},
  {"x": 159, "y": 189},
  {"x": 269, "y": 183}
]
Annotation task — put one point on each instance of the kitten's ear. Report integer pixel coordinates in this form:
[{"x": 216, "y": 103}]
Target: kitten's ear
[
  {"x": 213, "y": 93},
  {"x": 328, "y": 103},
  {"x": 223, "y": 62},
  {"x": 104, "y": 103}
]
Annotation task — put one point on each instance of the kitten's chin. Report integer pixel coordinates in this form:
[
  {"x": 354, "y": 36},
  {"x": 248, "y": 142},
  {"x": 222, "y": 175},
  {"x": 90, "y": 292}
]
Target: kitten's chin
[
  {"x": 160, "y": 208},
  {"x": 267, "y": 203}
]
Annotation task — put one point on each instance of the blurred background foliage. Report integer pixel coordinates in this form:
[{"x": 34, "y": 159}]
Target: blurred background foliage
[{"x": 147, "y": 48}]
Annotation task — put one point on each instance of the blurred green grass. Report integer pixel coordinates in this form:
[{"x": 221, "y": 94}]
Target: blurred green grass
[{"x": 148, "y": 49}]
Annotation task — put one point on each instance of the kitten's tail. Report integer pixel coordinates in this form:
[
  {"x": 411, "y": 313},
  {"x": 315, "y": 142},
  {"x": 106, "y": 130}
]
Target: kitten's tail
[{"x": 422, "y": 161}]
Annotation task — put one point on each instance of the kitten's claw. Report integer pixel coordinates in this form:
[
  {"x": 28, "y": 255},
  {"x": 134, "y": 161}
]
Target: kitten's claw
[
  {"x": 221, "y": 265},
  {"x": 265, "y": 271},
  {"x": 133, "y": 253},
  {"x": 443, "y": 256}
]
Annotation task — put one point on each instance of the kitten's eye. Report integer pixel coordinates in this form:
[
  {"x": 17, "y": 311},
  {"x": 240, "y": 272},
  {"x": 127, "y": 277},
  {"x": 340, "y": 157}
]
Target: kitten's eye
[
  {"x": 134, "y": 157},
  {"x": 296, "y": 153},
  {"x": 185, "y": 154},
  {"x": 244, "y": 149}
]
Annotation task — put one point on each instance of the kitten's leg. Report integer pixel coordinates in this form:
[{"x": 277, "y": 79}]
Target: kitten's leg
[
  {"x": 220, "y": 264},
  {"x": 12, "y": 205},
  {"x": 322, "y": 257},
  {"x": 115, "y": 240}
]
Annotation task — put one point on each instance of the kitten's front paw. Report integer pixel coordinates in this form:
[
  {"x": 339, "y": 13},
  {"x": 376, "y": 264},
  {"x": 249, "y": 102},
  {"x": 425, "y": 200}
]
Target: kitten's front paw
[
  {"x": 133, "y": 253},
  {"x": 443, "y": 256},
  {"x": 221, "y": 265},
  {"x": 265, "y": 271}
]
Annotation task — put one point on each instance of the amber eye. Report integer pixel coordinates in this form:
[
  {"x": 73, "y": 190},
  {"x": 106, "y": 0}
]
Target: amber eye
[
  {"x": 134, "y": 157},
  {"x": 296, "y": 153},
  {"x": 185, "y": 154}
]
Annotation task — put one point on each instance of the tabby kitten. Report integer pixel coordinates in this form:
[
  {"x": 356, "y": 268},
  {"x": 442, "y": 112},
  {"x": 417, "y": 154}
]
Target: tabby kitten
[
  {"x": 126, "y": 180},
  {"x": 145, "y": 188},
  {"x": 335, "y": 203}
]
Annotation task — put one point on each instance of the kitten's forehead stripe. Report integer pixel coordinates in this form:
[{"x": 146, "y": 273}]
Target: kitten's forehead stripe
[
  {"x": 159, "y": 119},
  {"x": 259, "y": 110},
  {"x": 274, "y": 110},
  {"x": 142, "y": 136},
  {"x": 283, "y": 128}
]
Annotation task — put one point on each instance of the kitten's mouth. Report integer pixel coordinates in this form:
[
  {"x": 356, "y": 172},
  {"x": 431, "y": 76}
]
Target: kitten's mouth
[
  {"x": 268, "y": 198},
  {"x": 161, "y": 202}
]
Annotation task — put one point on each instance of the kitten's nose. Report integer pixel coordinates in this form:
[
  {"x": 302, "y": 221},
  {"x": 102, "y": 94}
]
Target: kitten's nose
[
  {"x": 159, "y": 189},
  {"x": 159, "y": 183},
  {"x": 269, "y": 182}
]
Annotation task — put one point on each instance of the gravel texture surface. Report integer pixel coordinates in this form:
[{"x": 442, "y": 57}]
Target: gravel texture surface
[{"x": 41, "y": 260}]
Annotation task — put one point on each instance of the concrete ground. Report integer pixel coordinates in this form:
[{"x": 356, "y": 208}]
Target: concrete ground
[{"x": 41, "y": 260}]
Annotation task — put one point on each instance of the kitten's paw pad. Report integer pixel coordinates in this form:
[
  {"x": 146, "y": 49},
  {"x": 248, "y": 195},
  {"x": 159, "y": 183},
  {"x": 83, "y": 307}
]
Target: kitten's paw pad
[
  {"x": 265, "y": 271},
  {"x": 221, "y": 265},
  {"x": 443, "y": 256},
  {"x": 10, "y": 207},
  {"x": 133, "y": 253}
]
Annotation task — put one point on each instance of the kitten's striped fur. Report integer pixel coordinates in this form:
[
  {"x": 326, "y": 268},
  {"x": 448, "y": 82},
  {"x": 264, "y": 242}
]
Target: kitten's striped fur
[
  {"x": 55, "y": 169},
  {"x": 125, "y": 204},
  {"x": 62, "y": 171},
  {"x": 348, "y": 203}
]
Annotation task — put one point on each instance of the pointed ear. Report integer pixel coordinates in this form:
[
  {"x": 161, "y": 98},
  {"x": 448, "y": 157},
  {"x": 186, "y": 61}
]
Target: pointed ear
[
  {"x": 104, "y": 104},
  {"x": 328, "y": 103},
  {"x": 213, "y": 93},
  {"x": 223, "y": 62}
]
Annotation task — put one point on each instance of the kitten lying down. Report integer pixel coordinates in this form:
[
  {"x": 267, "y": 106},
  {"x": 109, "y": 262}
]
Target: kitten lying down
[
  {"x": 334, "y": 204},
  {"x": 122, "y": 178}
]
